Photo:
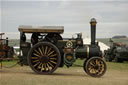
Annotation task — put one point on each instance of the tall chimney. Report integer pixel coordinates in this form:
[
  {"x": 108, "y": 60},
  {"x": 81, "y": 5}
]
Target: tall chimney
[{"x": 93, "y": 31}]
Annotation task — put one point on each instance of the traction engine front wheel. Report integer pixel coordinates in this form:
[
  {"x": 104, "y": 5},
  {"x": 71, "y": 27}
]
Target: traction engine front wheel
[
  {"x": 44, "y": 58},
  {"x": 95, "y": 67}
]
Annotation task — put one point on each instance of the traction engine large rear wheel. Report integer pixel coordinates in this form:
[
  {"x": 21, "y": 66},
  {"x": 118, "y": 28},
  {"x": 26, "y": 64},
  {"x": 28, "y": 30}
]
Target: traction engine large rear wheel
[
  {"x": 95, "y": 67},
  {"x": 44, "y": 58}
]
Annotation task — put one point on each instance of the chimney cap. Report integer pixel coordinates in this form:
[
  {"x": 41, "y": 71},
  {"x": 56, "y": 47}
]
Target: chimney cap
[{"x": 93, "y": 20}]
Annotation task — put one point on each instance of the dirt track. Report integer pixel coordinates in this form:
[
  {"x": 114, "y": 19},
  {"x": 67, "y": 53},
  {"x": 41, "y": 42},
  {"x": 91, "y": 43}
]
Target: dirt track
[{"x": 62, "y": 76}]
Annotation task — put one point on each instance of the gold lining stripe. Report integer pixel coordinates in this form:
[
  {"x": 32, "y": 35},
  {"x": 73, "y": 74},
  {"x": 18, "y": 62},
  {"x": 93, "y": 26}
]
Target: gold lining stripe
[{"x": 87, "y": 51}]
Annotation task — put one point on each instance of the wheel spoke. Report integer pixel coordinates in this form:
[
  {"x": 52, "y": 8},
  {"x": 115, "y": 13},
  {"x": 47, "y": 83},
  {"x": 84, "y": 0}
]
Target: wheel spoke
[
  {"x": 50, "y": 64},
  {"x": 49, "y": 50},
  {"x": 39, "y": 67},
  {"x": 46, "y": 51},
  {"x": 53, "y": 58},
  {"x": 95, "y": 71},
  {"x": 42, "y": 68},
  {"x": 93, "y": 61},
  {"x": 40, "y": 51},
  {"x": 35, "y": 61},
  {"x": 43, "y": 49},
  {"x": 52, "y": 61},
  {"x": 36, "y": 51},
  {"x": 34, "y": 57},
  {"x": 53, "y": 55},
  {"x": 91, "y": 64},
  {"x": 92, "y": 71},
  {"x": 45, "y": 68},
  {"x": 36, "y": 54},
  {"x": 36, "y": 64},
  {"x": 97, "y": 61},
  {"x": 50, "y": 53}
]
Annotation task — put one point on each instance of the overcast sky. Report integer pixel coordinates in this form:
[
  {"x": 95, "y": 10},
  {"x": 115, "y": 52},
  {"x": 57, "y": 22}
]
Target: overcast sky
[{"x": 74, "y": 15}]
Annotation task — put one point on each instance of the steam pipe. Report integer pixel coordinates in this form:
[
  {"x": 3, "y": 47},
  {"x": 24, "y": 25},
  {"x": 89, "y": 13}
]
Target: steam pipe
[{"x": 93, "y": 31}]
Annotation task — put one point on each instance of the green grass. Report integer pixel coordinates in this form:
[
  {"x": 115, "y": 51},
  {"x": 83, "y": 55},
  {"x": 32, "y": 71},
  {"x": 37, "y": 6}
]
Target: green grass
[
  {"x": 118, "y": 66},
  {"x": 9, "y": 63},
  {"x": 117, "y": 74}
]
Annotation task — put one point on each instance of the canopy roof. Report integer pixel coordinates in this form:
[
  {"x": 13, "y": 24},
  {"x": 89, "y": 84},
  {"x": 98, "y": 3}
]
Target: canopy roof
[
  {"x": 2, "y": 33},
  {"x": 41, "y": 29}
]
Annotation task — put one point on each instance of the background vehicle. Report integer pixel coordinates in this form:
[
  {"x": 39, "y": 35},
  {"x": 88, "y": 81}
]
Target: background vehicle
[
  {"x": 6, "y": 52},
  {"x": 117, "y": 52}
]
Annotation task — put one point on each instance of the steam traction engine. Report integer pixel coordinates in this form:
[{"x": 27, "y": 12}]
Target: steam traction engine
[
  {"x": 48, "y": 50},
  {"x": 117, "y": 52},
  {"x": 6, "y": 51}
]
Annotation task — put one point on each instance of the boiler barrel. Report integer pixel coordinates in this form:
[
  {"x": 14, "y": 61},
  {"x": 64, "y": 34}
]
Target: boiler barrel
[
  {"x": 87, "y": 51},
  {"x": 82, "y": 51}
]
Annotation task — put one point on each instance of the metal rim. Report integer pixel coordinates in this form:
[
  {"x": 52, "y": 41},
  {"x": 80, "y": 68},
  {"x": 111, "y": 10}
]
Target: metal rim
[
  {"x": 85, "y": 64},
  {"x": 44, "y": 58},
  {"x": 95, "y": 67}
]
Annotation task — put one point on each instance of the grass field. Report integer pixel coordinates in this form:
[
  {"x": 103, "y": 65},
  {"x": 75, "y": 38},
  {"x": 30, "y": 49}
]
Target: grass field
[{"x": 117, "y": 74}]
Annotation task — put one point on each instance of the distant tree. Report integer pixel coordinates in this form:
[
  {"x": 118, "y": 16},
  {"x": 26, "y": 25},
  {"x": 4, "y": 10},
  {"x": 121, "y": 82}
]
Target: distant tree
[{"x": 123, "y": 36}]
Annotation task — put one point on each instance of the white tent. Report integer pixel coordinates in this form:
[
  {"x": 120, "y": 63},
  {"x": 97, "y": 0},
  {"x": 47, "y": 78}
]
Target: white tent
[{"x": 101, "y": 44}]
